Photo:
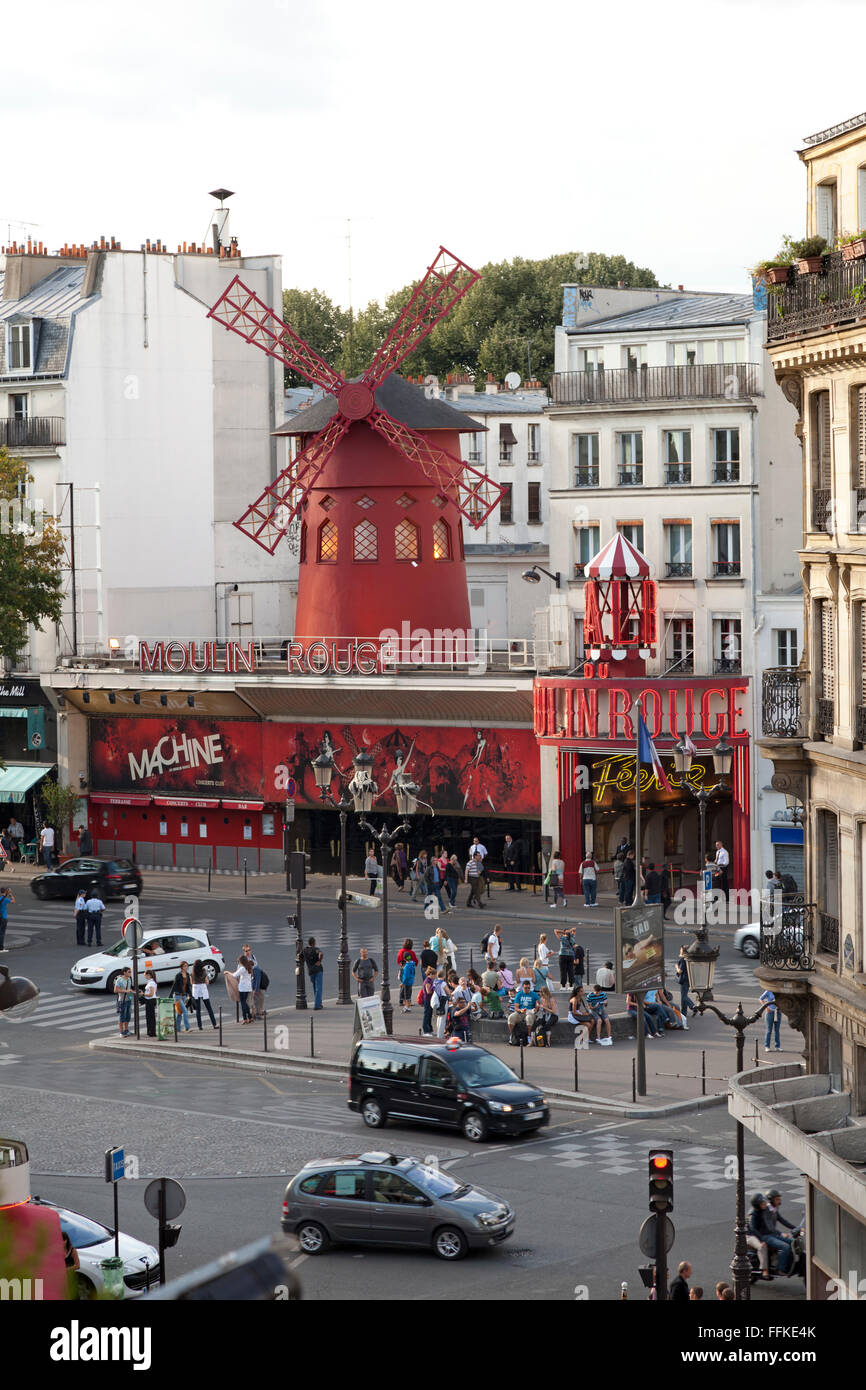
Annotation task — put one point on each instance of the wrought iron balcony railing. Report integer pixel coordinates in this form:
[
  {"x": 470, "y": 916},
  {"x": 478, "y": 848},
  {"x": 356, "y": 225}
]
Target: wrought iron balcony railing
[
  {"x": 788, "y": 933},
  {"x": 506, "y": 455},
  {"x": 585, "y": 476},
  {"x": 860, "y": 724},
  {"x": 474, "y": 456},
  {"x": 829, "y": 936},
  {"x": 630, "y": 477},
  {"x": 726, "y": 569},
  {"x": 812, "y": 303},
  {"x": 782, "y": 714},
  {"x": 726, "y": 472},
  {"x": 37, "y": 432},
  {"x": 701, "y": 382},
  {"x": 533, "y": 456},
  {"x": 821, "y": 517},
  {"x": 727, "y": 666},
  {"x": 679, "y": 569},
  {"x": 825, "y": 717},
  {"x": 678, "y": 474},
  {"x": 680, "y": 665}
]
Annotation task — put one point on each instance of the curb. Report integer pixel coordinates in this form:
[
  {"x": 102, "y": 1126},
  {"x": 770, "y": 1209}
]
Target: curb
[{"x": 336, "y": 1071}]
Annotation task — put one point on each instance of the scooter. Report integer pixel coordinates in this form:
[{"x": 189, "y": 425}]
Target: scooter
[{"x": 798, "y": 1264}]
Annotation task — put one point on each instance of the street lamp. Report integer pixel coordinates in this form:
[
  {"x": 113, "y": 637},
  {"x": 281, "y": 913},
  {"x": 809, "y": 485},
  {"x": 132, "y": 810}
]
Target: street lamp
[
  {"x": 533, "y": 575},
  {"x": 323, "y": 770},
  {"x": 701, "y": 963},
  {"x": 723, "y": 755},
  {"x": 386, "y": 839}
]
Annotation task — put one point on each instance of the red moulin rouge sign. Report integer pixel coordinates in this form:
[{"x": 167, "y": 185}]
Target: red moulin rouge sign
[
  {"x": 195, "y": 757},
  {"x": 606, "y": 710}
]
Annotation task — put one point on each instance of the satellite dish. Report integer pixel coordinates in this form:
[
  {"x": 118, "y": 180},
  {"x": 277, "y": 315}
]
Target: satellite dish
[{"x": 512, "y": 381}]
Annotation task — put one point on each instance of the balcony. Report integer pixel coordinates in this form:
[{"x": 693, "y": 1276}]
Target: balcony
[
  {"x": 702, "y": 382},
  {"x": 788, "y": 933},
  {"x": 506, "y": 455},
  {"x": 821, "y": 509},
  {"x": 680, "y": 665},
  {"x": 585, "y": 475},
  {"x": 678, "y": 569},
  {"x": 474, "y": 456},
  {"x": 726, "y": 569},
  {"x": 726, "y": 472},
  {"x": 37, "y": 432},
  {"x": 678, "y": 474},
  {"x": 782, "y": 714},
  {"x": 825, "y": 717},
  {"x": 727, "y": 666},
  {"x": 533, "y": 456},
  {"x": 630, "y": 477},
  {"x": 829, "y": 935},
  {"x": 813, "y": 303},
  {"x": 860, "y": 724}
]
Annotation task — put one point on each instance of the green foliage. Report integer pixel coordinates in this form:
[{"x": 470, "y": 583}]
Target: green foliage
[
  {"x": 505, "y": 323},
  {"x": 30, "y": 582},
  {"x": 809, "y": 246},
  {"x": 60, "y": 804},
  {"x": 317, "y": 320}
]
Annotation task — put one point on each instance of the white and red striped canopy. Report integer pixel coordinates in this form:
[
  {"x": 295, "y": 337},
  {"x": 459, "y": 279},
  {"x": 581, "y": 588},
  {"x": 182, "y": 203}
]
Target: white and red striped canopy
[{"x": 618, "y": 559}]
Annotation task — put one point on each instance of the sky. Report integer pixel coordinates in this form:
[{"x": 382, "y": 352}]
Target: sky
[{"x": 665, "y": 132}]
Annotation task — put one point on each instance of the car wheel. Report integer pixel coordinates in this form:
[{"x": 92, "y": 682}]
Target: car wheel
[
  {"x": 211, "y": 970},
  {"x": 449, "y": 1243},
  {"x": 474, "y": 1127},
  {"x": 40, "y": 889},
  {"x": 85, "y": 1290},
  {"x": 750, "y": 947},
  {"x": 112, "y": 981},
  {"x": 312, "y": 1238},
  {"x": 373, "y": 1114}
]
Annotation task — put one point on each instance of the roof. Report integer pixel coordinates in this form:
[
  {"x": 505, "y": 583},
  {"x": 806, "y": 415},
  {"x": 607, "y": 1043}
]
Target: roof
[
  {"x": 482, "y": 404},
  {"x": 52, "y": 298},
  {"x": 853, "y": 123},
  {"x": 401, "y": 399},
  {"x": 619, "y": 559},
  {"x": 689, "y": 311}
]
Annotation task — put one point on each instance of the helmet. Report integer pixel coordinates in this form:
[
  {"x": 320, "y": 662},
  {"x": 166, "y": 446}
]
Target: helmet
[
  {"x": 758, "y": 1199},
  {"x": 773, "y": 1192}
]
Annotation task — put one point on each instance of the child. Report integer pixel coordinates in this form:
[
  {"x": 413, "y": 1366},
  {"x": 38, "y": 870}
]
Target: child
[
  {"x": 407, "y": 980},
  {"x": 597, "y": 1000}
]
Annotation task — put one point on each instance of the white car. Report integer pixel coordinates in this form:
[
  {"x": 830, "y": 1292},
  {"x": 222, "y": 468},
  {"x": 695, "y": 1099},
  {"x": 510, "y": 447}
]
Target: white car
[
  {"x": 748, "y": 940},
  {"x": 95, "y": 1243},
  {"x": 161, "y": 952}
]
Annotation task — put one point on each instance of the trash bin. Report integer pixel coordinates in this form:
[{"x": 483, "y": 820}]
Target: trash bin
[
  {"x": 112, "y": 1276},
  {"x": 165, "y": 1020}
]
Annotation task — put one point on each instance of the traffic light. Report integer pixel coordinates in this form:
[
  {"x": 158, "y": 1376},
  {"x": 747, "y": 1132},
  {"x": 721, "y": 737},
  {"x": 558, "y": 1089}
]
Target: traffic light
[
  {"x": 299, "y": 863},
  {"x": 661, "y": 1179}
]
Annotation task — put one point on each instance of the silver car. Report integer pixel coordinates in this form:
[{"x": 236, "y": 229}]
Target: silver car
[{"x": 385, "y": 1199}]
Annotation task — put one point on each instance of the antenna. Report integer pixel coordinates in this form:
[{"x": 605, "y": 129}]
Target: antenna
[
  {"x": 16, "y": 222},
  {"x": 512, "y": 380}
]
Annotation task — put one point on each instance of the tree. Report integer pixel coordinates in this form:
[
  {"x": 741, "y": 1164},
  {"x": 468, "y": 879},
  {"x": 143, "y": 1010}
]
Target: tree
[
  {"x": 30, "y": 562},
  {"x": 316, "y": 319},
  {"x": 60, "y": 804}
]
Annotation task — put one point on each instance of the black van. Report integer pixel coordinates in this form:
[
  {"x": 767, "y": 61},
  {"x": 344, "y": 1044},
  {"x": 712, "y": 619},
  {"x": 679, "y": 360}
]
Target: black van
[{"x": 447, "y": 1084}]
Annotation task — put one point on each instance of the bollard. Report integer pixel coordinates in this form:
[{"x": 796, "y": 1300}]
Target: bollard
[
  {"x": 471, "y": 959},
  {"x": 756, "y": 1052},
  {"x": 703, "y": 1073},
  {"x": 575, "y": 1069},
  {"x": 237, "y": 1011},
  {"x": 312, "y": 1038},
  {"x": 634, "y": 1081},
  {"x": 208, "y": 877},
  {"x": 245, "y": 878},
  {"x": 221, "y": 1026},
  {"x": 522, "y": 1048},
  {"x": 265, "y": 1022},
  {"x": 174, "y": 1017}
]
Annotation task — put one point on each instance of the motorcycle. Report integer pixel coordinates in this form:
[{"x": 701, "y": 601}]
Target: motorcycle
[{"x": 798, "y": 1265}]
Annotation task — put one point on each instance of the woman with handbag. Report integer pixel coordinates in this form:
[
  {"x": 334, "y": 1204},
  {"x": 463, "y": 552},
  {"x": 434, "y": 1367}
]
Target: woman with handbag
[
  {"x": 556, "y": 878},
  {"x": 201, "y": 993},
  {"x": 150, "y": 1002},
  {"x": 244, "y": 977},
  {"x": 181, "y": 991}
]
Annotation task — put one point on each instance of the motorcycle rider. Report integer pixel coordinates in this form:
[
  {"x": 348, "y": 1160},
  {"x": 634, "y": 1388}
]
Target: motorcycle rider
[
  {"x": 757, "y": 1231},
  {"x": 775, "y": 1217},
  {"x": 760, "y": 1226}
]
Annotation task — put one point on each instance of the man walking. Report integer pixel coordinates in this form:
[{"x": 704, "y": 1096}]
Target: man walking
[
  {"x": 722, "y": 861},
  {"x": 95, "y": 908},
  {"x": 16, "y": 830},
  {"x": 315, "y": 970},
  {"x": 679, "y": 1288},
  {"x": 371, "y": 869},
  {"x": 627, "y": 881},
  {"x": 774, "y": 1019},
  {"x": 653, "y": 884},
  {"x": 589, "y": 879},
  {"x": 511, "y": 863},
  {"x": 5, "y": 899},
  {"x": 474, "y": 872},
  {"x": 364, "y": 971},
  {"x": 80, "y": 910},
  {"x": 46, "y": 845}
]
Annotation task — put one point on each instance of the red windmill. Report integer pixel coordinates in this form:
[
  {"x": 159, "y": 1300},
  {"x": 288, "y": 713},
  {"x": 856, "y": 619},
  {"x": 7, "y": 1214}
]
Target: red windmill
[
  {"x": 620, "y": 622},
  {"x": 357, "y": 502}
]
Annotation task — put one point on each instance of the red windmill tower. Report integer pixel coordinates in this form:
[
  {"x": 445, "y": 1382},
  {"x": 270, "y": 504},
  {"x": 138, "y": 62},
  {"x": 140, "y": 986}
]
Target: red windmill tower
[
  {"x": 378, "y": 480},
  {"x": 620, "y": 623}
]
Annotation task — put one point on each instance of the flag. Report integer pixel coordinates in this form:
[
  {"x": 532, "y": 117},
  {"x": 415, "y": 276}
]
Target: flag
[{"x": 648, "y": 754}]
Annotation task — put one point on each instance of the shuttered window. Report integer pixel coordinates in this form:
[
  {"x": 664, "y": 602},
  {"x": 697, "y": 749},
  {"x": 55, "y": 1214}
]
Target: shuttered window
[
  {"x": 828, "y": 869},
  {"x": 861, "y": 643},
  {"x": 860, "y": 439},
  {"x": 821, "y": 456},
  {"x": 828, "y": 651}
]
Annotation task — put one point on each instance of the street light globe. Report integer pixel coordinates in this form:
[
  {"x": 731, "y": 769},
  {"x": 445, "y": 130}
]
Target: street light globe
[
  {"x": 701, "y": 960},
  {"x": 323, "y": 770},
  {"x": 723, "y": 757},
  {"x": 683, "y": 757},
  {"x": 532, "y": 576}
]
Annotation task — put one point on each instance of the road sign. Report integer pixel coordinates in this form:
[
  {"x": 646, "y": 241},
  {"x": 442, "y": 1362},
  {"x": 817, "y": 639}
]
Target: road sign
[
  {"x": 115, "y": 1165},
  {"x": 290, "y": 812},
  {"x": 647, "y": 1238},
  {"x": 175, "y": 1198},
  {"x": 291, "y": 788},
  {"x": 132, "y": 932}
]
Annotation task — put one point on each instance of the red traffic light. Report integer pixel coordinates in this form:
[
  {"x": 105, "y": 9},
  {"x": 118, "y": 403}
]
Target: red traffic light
[
  {"x": 661, "y": 1161},
  {"x": 661, "y": 1179}
]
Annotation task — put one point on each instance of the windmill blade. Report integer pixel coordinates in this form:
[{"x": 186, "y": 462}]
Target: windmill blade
[
  {"x": 474, "y": 494},
  {"x": 268, "y": 519},
  {"x": 240, "y": 310},
  {"x": 444, "y": 282}
]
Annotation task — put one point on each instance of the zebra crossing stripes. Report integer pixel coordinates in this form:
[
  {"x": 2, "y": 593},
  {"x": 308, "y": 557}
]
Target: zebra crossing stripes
[
  {"x": 9, "y": 1059},
  {"x": 73, "y": 1013}
]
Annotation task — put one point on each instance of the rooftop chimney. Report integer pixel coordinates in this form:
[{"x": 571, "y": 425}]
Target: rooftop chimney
[{"x": 220, "y": 228}]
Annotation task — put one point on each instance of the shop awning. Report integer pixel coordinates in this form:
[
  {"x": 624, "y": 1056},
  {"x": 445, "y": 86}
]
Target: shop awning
[
  {"x": 15, "y": 782},
  {"x": 118, "y": 799},
  {"x": 198, "y": 803},
  {"x": 7, "y": 713},
  {"x": 786, "y": 834},
  {"x": 242, "y": 805}
]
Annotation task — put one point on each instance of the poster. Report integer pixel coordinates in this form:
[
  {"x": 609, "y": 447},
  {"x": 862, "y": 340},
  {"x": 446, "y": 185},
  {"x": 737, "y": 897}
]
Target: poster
[
  {"x": 639, "y": 946},
  {"x": 369, "y": 1019},
  {"x": 210, "y": 757}
]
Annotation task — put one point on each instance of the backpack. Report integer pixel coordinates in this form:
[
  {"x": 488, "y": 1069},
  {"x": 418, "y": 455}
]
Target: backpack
[{"x": 484, "y": 940}]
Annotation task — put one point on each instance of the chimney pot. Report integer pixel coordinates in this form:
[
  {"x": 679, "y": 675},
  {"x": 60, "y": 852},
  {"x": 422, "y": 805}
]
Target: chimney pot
[{"x": 680, "y": 288}]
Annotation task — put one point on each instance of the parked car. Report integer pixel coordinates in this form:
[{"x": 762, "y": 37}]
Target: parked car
[
  {"x": 386, "y": 1199},
  {"x": 447, "y": 1084},
  {"x": 113, "y": 877},
  {"x": 95, "y": 1243},
  {"x": 161, "y": 952},
  {"x": 748, "y": 940}
]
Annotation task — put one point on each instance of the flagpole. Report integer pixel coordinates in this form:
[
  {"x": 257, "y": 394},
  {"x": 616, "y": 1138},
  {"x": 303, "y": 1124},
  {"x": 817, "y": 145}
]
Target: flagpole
[{"x": 637, "y": 811}]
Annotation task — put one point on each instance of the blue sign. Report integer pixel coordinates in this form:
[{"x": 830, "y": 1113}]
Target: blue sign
[
  {"x": 115, "y": 1165},
  {"x": 708, "y": 880},
  {"x": 290, "y": 789}
]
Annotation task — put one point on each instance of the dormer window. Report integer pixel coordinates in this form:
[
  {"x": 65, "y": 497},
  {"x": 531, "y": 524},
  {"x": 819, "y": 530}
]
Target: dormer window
[{"x": 19, "y": 347}]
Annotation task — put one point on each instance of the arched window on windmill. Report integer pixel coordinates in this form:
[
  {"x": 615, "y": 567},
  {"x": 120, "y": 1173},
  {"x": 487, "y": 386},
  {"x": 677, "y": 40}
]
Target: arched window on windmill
[
  {"x": 328, "y": 537},
  {"x": 441, "y": 540},
  {"x": 365, "y": 541},
  {"x": 407, "y": 541},
  {"x": 302, "y": 553}
]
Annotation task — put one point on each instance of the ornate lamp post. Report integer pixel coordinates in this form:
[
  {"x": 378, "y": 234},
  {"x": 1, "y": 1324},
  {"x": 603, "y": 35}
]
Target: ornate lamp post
[
  {"x": 723, "y": 756},
  {"x": 701, "y": 960},
  {"x": 324, "y": 770}
]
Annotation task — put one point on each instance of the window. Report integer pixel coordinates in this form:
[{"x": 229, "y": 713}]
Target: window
[
  {"x": 365, "y": 541},
  {"x": 678, "y": 549},
  {"x": 579, "y": 644},
  {"x": 629, "y": 452},
  {"x": 677, "y": 452},
  {"x": 681, "y": 646},
  {"x": 347, "y": 1183},
  {"x": 858, "y": 454},
  {"x": 860, "y": 641},
  {"x": 586, "y": 545},
  {"x": 827, "y": 867},
  {"x": 632, "y": 531},
  {"x": 786, "y": 646},
  {"x": 327, "y": 543},
  {"x": 437, "y": 1074},
  {"x": 685, "y": 354},
  {"x": 18, "y": 407},
  {"x": 240, "y": 617},
  {"x": 827, "y": 650},
  {"x": 533, "y": 503},
  {"x": 731, "y": 350},
  {"x": 727, "y": 646},
  {"x": 533, "y": 443},
  {"x": 473, "y": 451},
  {"x": 507, "y": 441},
  {"x": 590, "y": 360},
  {"x": 395, "y": 1190},
  {"x": 505, "y": 511},
  {"x": 404, "y": 1066},
  {"x": 821, "y": 458},
  {"x": 585, "y": 460},
  {"x": 825, "y": 211},
  {"x": 441, "y": 540},
  {"x": 726, "y": 548},
  {"x": 632, "y": 357},
  {"x": 365, "y": 503},
  {"x": 407, "y": 541},
  {"x": 302, "y": 549},
  {"x": 861, "y": 196},
  {"x": 19, "y": 344},
  {"x": 726, "y": 456}
]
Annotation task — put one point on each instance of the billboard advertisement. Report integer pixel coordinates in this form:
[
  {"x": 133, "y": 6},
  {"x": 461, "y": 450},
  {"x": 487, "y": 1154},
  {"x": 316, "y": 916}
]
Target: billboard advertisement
[
  {"x": 639, "y": 943},
  {"x": 204, "y": 757}
]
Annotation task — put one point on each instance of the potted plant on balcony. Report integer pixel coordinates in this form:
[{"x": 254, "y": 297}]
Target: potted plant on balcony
[
  {"x": 853, "y": 247},
  {"x": 773, "y": 272},
  {"x": 809, "y": 254}
]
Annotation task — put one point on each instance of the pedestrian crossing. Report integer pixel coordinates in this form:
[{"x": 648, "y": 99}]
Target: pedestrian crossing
[
  {"x": 74, "y": 1013},
  {"x": 9, "y": 1059}
]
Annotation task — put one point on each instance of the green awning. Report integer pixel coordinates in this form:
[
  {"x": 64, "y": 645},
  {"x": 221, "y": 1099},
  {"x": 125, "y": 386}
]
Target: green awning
[
  {"x": 15, "y": 782},
  {"x": 13, "y": 713}
]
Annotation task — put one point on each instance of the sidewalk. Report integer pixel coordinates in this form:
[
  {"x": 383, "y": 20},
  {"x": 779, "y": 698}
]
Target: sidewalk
[{"x": 673, "y": 1062}]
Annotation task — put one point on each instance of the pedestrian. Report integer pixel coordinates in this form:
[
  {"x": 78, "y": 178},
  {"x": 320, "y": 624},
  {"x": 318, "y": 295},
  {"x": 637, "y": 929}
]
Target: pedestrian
[
  {"x": 722, "y": 863},
  {"x": 452, "y": 879},
  {"x": 597, "y": 1001},
  {"x": 474, "y": 877},
  {"x": 511, "y": 864},
  {"x": 150, "y": 1002},
  {"x": 460, "y": 1011},
  {"x": 123, "y": 999},
  {"x": 46, "y": 845},
  {"x": 627, "y": 881},
  {"x": 80, "y": 910},
  {"x": 653, "y": 883},
  {"x": 261, "y": 980},
  {"x": 542, "y": 956},
  {"x": 651, "y": 1029},
  {"x": 774, "y": 1019},
  {"x": 679, "y": 1288},
  {"x": 682, "y": 973},
  {"x": 247, "y": 950},
  {"x": 371, "y": 869},
  {"x": 720, "y": 1290},
  {"x": 364, "y": 971},
  {"x": 579, "y": 964},
  {"x": 429, "y": 957},
  {"x": 696, "y": 1294},
  {"x": 5, "y": 899},
  {"x": 433, "y": 884},
  {"x": 244, "y": 977},
  {"x": 477, "y": 848},
  {"x": 494, "y": 944},
  {"x": 605, "y": 977},
  {"x": 399, "y": 865},
  {"x": 181, "y": 991},
  {"x": 95, "y": 908},
  {"x": 406, "y": 953},
  {"x": 556, "y": 878},
  {"x": 441, "y": 995},
  {"x": 85, "y": 841},
  {"x": 315, "y": 970},
  {"x": 665, "y": 894},
  {"x": 589, "y": 880},
  {"x": 428, "y": 995},
  {"x": 522, "y": 1016},
  {"x": 418, "y": 876},
  {"x": 618, "y": 866},
  {"x": 16, "y": 830},
  {"x": 407, "y": 981},
  {"x": 7, "y": 847},
  {"x": 200, "y": 993},
  {"x": 566, "y": 957}
]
